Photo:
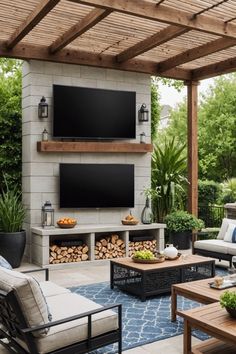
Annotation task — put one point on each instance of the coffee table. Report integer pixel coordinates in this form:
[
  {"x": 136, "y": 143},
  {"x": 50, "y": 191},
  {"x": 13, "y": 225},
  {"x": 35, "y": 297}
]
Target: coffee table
[
  {"x": 146, "y": 280},
  {"x": 216, "y": 322},
  {"x": 199, "y": 291}
]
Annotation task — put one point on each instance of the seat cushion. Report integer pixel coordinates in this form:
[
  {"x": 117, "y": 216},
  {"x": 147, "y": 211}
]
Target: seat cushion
[
  {"x": 29, "y": 295},
  {"x": 212, "y": 245},
  {"x": 70, "y": 304},
  {"x": 51, "y": 289}
]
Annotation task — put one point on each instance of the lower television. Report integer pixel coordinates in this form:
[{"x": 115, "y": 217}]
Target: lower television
[{"x": 96, "y": 185}]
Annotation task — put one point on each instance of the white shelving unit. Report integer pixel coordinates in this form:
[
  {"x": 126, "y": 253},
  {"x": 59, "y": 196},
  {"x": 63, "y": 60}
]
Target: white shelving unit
[{"x": 41, "y": 238}]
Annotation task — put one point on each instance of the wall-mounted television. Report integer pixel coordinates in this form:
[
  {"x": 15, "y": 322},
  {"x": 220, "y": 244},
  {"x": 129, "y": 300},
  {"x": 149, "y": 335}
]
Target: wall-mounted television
[
  {"x": 91, "y": 113},
  {"x": 96, "y": 185}
]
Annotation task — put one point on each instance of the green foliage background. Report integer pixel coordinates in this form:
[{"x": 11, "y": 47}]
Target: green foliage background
[
  {"x": 216, "y": 129},
  {"x": 10, "y": 122}
]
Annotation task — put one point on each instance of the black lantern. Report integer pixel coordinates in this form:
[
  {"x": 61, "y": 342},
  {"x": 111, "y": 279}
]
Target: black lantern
[
  {"x": 143, "y": 113},
  {"x": 43, "y": 108},
  {"x": 47, "y": 215}
]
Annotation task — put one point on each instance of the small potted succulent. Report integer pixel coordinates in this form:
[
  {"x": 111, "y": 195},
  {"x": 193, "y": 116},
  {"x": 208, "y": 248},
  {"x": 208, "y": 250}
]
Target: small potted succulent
[
  {"x": 12, "y": 236},
  {"x": 180, "y": 225},
  {"x": 228, "y": 301}
]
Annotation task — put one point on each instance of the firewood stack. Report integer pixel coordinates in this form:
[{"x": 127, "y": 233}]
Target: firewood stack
[
  {"x": 59, "y": 254},
  {"x": 109, "y": 247},
  {"x": 142, "y": 245}
]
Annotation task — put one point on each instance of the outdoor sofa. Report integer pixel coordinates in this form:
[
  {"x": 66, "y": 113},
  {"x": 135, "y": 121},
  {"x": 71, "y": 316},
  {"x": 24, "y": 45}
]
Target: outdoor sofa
[
  {"x": 223, "y": 247},
  {"x": 43, "y": 317}
]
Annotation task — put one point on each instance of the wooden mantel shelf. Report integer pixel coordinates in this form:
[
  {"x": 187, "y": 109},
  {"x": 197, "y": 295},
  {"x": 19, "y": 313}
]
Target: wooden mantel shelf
[{"x": 69, "y": 146}]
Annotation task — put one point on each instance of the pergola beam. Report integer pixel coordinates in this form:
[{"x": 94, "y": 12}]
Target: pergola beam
[
  {"x": 151, "y": 42},
  {"x": 70, "y": 56},
  {"x": 93, "y": 17},
  {"x": 192, "y": 124},
  {"x": 166, "y": 14},
  {"x": 196, "y": 53},
  {"x": 43, "y": 8},
  {"x": 220, "y": 68}
]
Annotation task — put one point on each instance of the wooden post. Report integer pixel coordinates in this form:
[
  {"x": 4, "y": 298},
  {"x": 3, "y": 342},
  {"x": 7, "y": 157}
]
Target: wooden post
[{"x": 192, "y": 147}]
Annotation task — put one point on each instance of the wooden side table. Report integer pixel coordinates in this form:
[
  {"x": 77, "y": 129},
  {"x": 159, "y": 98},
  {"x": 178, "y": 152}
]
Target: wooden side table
[{"x": 216, "y": 322}]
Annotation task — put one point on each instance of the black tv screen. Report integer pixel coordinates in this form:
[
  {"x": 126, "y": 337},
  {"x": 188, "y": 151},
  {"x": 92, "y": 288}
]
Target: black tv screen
[
  {"x": 96, "y": 186},
  {"x": 88, "y": 113}
]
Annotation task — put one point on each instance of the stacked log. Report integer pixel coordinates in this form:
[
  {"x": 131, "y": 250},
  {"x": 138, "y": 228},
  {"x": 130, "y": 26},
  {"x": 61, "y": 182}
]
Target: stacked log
[
  {"x": 142, "y": 245},
  {"x": 59, "y": 254},
  {"x": 109, "y": 247}
]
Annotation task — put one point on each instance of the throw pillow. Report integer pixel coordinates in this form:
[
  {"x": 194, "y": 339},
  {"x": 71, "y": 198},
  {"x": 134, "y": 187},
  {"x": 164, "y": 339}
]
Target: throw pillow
[
  {"x": 224, "y": 227},
  {"x": 4, "y": 263},
  {"x": 230, "y": 235}
]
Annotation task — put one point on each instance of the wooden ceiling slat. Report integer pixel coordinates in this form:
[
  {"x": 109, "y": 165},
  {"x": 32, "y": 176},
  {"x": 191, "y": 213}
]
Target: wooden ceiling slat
[
  {"x": 162, "y": 13},
  {"x": 84, "y": 25},
  {"x": 34, "y": 18},
  {"x": 195, "y": 53},
  {"x": 151, "y": 42}
]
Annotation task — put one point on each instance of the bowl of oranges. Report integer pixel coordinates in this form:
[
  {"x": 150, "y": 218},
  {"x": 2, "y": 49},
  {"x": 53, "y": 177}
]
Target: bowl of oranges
[{"x": 66, "y": 223}]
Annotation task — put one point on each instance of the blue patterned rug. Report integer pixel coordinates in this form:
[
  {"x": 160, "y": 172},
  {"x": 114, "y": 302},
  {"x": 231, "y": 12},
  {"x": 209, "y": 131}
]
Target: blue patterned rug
[{"x": 143, "y": 322}]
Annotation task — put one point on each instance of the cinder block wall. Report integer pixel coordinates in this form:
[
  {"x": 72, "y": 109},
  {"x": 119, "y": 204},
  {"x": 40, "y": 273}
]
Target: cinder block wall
[{"x": 41, "y": 170}]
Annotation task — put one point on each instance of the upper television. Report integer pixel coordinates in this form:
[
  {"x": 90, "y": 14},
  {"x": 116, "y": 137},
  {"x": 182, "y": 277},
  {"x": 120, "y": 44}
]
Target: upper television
[{"x": 88, "y": 113}]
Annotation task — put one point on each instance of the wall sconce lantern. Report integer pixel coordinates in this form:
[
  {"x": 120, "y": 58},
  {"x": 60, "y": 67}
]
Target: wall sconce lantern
[
  {"x": 143, "y": 113},
  {"x": 47, "y": 215},
  {"x": 43, "y": 108}
]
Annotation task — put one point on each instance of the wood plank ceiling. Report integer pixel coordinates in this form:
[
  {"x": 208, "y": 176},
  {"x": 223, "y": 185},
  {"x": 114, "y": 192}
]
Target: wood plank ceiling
[{"x": 181, "y": 39}]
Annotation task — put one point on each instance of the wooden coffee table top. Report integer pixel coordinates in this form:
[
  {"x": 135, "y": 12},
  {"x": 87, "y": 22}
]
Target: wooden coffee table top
[
  {"x": 180, "y": 262},
  {"x": 212, "y": 319},
  {"x": 200, "y": 290}
]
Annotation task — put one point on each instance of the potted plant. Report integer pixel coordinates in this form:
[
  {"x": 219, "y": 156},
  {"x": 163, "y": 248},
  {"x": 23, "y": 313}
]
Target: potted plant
[
  {"x": 12, "y": 236},
  {"x": 228, "y": 301},
  {"x": 181, "y": 224}
]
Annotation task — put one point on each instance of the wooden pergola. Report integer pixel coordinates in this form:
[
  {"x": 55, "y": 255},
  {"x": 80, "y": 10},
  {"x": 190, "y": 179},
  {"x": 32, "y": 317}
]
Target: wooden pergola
[{"x": 189, "y": 40}]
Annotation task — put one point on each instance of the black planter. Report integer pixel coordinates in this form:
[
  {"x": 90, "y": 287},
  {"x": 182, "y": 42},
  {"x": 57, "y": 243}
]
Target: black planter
[
  {"x": 181, "y": 240},
  {"x": 12, "y": 246}
]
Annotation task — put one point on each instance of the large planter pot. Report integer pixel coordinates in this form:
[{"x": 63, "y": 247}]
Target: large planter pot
[
  {"x": 12, "y": 246},
  {"x": 181, "y": 240}
]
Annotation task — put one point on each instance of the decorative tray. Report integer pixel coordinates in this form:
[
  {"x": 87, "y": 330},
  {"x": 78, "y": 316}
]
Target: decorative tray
[
  {"x": 147, "y": 261},
  {"x": 226, "y": 284},
  {"x": 66, "y": 226},
  {"x": 129, "y": 222},
  {"x": 173, "y": 259}
]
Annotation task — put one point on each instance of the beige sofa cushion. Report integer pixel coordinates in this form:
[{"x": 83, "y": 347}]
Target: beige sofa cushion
[
  {"x": 70, "y": 304},
  {"x": 219, "y": 246},
  {"x": 29, "y": 295},
  {"x": 51, "y": 289}
]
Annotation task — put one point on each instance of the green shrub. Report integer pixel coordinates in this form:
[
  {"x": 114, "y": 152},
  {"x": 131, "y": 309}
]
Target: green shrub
[
  {"x": 179, "y": 221},
  {"x": 208, "y": 192},
  {"x": 229, "y": 191},
  {"x": 228, "y": 299},
  {"x": 12, "y": 211}
]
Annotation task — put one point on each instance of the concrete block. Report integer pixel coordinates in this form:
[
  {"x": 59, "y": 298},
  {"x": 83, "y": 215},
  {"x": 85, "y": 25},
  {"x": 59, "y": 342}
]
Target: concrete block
[
  {"x": 71, "y": 158},
  {"x": 41, "y": 79},
  {"x": 115, "y": 75},
  {"x": 90, "y": 72},
  {"x": 29, "y": 114},
  {"x": 110, "y": 85},
  {"x": 61, "y": 80},
  {"x": 88, "y": 217},
  {"x": 83, "y": 82},
  {"x": 45, "y": 91},
  {"x": 142, "y": 171},
  {"x": 44, "y": 184},
  {"x": 53, "y": 68},
  {"x": 141, "y": 183},
  {"x": 143, "y": 78},
  {"x": 107, "y": 216},
  {"x": 26, "y": 101},
  {"x": 25, "y": 68},
  {"x": 26, "y": 185},
  {"x": 42, "y": 169},
  {"x": 37, "y": 66},
  {"x": 70, "y": 70}
]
